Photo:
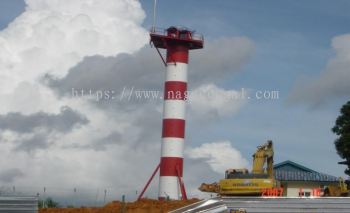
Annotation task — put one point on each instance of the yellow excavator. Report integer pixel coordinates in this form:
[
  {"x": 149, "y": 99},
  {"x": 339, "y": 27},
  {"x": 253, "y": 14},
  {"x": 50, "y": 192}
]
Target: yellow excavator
[
  {"x": 340, "y": 190},
  {"x": 241, "y": 182}
]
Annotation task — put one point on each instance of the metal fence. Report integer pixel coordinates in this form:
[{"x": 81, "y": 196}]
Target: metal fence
[
  {"x": 18, "y": 204},
  {"x": 162, "y": 31},
  {"x": 74, "y": 196},
  {"x": 271, "y": 205}
]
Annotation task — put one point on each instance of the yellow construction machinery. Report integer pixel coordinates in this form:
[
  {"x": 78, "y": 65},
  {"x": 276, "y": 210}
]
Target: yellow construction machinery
[
  {"x": 340, "y": 190},
  {"x": 240, "y": 182}
]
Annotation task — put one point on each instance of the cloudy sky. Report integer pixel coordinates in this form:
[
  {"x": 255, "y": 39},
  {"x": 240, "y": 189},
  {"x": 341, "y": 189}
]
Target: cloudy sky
[{"x": 53, "y": 136}]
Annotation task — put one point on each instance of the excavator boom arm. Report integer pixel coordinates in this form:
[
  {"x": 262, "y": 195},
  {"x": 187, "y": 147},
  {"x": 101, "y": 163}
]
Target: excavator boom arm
[{"x": 263, "y": 155}]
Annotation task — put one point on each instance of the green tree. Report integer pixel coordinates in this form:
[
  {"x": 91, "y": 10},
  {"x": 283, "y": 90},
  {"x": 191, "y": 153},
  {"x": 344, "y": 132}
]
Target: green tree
[
  {"x": 342, "y": 130},
  {"x": 48, "y": 203}
]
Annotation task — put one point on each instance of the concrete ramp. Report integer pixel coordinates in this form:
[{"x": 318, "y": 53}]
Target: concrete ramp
[{"x": 270, "y": 205}]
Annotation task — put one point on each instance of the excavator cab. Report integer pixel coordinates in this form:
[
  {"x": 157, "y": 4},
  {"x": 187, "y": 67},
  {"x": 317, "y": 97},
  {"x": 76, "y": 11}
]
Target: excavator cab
[{"x": 232, "y": 173}]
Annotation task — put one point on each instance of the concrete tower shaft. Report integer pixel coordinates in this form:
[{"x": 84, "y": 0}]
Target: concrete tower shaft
[{"x": 177, "y": 42}]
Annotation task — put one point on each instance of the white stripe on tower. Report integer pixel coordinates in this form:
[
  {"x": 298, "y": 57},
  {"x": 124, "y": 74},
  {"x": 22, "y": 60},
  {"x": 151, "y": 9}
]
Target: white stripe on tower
[{"x": 175, "y": 88}]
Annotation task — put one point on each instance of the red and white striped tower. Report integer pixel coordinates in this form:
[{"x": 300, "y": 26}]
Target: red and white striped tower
[{"x": 177, "y": 42}]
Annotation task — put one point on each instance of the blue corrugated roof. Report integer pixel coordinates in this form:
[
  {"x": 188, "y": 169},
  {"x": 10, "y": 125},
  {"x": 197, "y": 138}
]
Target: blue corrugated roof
[
  {"x": 290, "y": 165},
  {"x": 291, "y": 171}
]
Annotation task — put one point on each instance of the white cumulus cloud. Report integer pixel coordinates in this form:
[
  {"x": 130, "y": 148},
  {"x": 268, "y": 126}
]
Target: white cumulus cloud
[
  {"x": 219, "y": 155},
  {"x": 212, "y": 101},
  {"x": 51, "y": 36},
  {"x": 333, "y": 82}
]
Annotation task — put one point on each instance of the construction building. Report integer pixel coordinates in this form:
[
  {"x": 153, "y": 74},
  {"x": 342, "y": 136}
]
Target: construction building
[{"x": 298, "y": 180}]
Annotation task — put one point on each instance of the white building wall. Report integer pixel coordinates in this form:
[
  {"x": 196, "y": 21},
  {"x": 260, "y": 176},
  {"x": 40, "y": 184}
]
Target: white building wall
[{"x": 293, "y": 188}]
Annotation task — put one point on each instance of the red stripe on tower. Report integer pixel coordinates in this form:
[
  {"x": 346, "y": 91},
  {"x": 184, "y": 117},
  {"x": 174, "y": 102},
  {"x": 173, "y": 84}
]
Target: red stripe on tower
[
  {"x": 175, "y": 90},
  {"x": 174, "y": 128},
  {"x": 177, "y": 53},
  {"x": 168, "y": 166}
]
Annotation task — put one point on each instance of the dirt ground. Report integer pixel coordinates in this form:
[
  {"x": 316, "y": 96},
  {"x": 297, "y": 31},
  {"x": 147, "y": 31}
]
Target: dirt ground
[{"x": 142, "y": 206}]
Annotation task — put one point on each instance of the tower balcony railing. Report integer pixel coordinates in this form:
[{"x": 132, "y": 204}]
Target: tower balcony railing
[{"x": 164, "y": 32}]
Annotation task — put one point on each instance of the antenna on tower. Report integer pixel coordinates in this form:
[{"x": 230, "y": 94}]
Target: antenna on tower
[{"x": 154, "y": 15}]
